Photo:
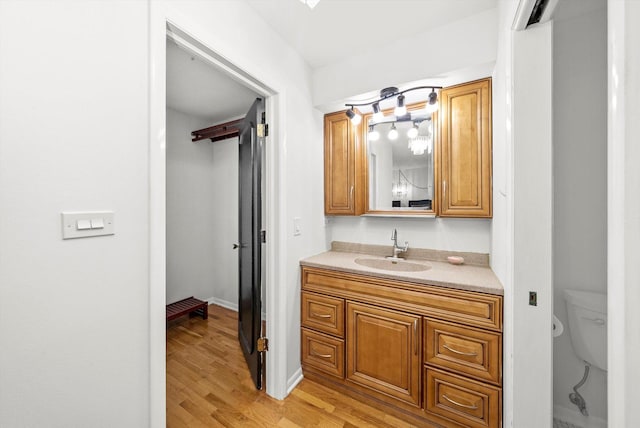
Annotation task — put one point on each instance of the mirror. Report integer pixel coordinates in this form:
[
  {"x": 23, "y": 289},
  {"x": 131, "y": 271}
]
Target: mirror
[{"x": 400, "y": 170}]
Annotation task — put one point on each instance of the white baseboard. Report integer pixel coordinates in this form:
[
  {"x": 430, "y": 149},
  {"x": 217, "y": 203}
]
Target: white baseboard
[
  {"x": 224, "y": 303},
  {"x": 574, "y": 417},
  {"x": 294, "y": 380}
]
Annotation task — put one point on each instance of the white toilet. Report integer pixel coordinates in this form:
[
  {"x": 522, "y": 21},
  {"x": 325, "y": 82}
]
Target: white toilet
[{"x": 587, "y": 313}]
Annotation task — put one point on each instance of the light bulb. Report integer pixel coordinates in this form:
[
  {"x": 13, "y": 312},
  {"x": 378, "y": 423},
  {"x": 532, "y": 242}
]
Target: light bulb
[
  {"x": 400, "y": 109},
  {"x": 355, "y": 117},
  {"x": 393, "y": 133},
  {"x": 374, "y": 135},
  {"x": 413, "y": 132}
]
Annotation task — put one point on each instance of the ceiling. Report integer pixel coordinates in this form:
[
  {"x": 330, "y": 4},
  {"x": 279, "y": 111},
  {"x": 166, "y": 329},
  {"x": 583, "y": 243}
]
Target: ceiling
[
  {"x": 337, "y": 29},
  {"x": 197, "y": 88},
  {"x": 332, "y": 31}
]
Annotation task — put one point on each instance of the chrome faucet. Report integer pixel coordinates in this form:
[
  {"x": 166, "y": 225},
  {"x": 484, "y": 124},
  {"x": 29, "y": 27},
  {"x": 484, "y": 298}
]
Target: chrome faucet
[{"x": 397, "y": 250}]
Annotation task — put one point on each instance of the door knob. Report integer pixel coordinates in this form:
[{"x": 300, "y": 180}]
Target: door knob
[{"x": 235, "y": 246}]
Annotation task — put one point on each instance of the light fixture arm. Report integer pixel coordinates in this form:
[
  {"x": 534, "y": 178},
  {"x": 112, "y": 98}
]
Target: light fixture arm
[{"x": 390, "y": 92}]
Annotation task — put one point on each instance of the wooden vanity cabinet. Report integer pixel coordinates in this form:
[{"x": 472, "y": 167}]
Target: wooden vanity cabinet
[
  {"x": 426, "y": 353},
  {"x": 465, "y": 154},
  {"x": 383, "y": 351},
  {"x": 342, "y": 166}
]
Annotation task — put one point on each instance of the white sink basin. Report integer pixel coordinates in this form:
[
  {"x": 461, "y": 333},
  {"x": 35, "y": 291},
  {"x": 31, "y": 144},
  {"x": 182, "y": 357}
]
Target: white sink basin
[{"x": 392, "y": 265}]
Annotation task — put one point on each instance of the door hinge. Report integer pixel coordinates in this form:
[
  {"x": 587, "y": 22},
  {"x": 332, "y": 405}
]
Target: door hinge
[
  {"x": 263, "y": 344},
  {"x": 263, "y": 130},
  {"x": 263, "y": 236}
]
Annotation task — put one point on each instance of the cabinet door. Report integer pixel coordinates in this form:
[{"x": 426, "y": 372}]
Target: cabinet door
[
  {"x": 383, "y": 352},
  {"x": 465, "y": 146},
  {"x": 339, "y": 165}
]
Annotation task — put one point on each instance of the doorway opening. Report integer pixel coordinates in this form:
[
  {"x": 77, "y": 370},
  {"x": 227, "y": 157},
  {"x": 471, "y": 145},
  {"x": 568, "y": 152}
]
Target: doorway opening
[{"x": 205, "y": 198}]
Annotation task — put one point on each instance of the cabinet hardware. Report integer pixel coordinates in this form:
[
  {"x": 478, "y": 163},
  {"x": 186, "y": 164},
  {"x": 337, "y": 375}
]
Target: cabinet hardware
[
  {"x": 466, "y": 406},
  {"x": 455, "y": 351},
  {"x": 315, "y": 354},
  {"x": 314, "y": 315},
  {"x": 263, "y": 344},
  {"x": 351, "y": 196}
]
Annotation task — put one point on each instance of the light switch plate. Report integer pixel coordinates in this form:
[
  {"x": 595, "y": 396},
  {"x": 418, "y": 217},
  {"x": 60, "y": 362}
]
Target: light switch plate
[
  {"x": 73, "y": 224},
  {"x": 296, "y": 226}
]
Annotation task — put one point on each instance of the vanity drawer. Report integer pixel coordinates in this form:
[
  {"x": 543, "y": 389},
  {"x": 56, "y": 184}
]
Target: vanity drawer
[
  {"x": 461, "y": 402},
  {"x": 467, "y": 307},
  {"x": 322, "y": 313},
  {"x": 471, "y": 352},
  {"x": 322, "y": 353}
]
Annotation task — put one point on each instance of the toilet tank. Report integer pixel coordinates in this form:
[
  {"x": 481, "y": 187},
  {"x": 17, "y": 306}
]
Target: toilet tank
[{"x": 588, "y": 325}]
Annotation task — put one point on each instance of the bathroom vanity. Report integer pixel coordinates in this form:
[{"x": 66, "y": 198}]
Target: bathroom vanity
[{"x": 421, "y": 337}]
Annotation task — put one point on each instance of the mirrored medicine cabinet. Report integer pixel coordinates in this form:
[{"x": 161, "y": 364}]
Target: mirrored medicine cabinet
[
  {"x": 399, "y": 164},
  {"x": 442, "y": 168}
]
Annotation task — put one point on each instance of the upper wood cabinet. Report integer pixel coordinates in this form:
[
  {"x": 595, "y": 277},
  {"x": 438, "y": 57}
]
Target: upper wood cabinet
[
  {"x": 465, "y": 150},
  {"x": 342, "y": 166}
]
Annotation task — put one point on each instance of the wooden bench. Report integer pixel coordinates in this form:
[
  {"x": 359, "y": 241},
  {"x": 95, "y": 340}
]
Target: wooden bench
[{"x": 190, "y": 305}]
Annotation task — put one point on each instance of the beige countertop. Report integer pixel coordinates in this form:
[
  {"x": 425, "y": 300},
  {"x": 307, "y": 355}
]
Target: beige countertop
[{"x": 470, "y": 277}]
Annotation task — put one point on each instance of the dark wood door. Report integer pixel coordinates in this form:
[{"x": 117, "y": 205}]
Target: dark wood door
[{"x": 250, "y": 224}]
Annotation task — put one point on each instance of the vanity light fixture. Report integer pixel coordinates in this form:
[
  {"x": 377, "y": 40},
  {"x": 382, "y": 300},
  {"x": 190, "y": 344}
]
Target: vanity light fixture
[
  {"x": 378, "y": 116},
  {"x": 413, "y": 131},
  {"x": 374, "y": 135},
  {"x": 400, "y": 109},
  {"x": 355, "y": 117},
  {"x": 393, "y": 132},
  {"x": 432, "y": 104}
]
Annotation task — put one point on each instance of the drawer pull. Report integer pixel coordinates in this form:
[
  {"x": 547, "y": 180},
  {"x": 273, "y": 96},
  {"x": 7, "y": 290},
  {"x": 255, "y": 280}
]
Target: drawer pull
[
  {"x": 315, "y": 354},
  {"x": 466, "y": 406},
  {"x": 455, "y": 351},
  {"x": 314, "y": 315}
]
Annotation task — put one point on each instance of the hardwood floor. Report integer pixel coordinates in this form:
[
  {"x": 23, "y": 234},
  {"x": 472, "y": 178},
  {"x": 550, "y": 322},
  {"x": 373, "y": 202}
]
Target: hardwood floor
[{"x": 208, "y": 385}]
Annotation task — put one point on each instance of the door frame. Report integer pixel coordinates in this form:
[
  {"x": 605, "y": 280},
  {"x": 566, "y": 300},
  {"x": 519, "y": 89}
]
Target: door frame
[{"x": 163, "y": 24}]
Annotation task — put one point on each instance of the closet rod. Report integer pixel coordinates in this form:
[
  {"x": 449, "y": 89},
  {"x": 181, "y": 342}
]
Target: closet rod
[{"x": 218, "y": 132}]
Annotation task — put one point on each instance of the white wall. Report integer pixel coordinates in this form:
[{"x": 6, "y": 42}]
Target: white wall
[
  {"x": 191, "y": 206},
  {"x": 74, "y": 315},
  {"x": 532, "y": 225},
  {"x": 521, "y": 228},
  {"x": 461, "y": 234},
  {"x": 202, "y": 214},
  {"x": 623, "y": 174},
  {"x": 464, "y": 44},
  {"x": 580, "y": 189},
  {"x": 224, "y": 190},
  {"x": 502, "y": 223}
]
